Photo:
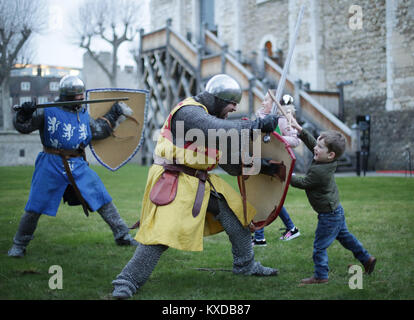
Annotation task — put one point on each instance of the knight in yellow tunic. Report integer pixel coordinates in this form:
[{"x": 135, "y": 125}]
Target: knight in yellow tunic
[{"x": 183, "y": 202}]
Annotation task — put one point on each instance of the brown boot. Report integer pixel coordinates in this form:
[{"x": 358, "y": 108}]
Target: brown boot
[
  {"x": 370, "y": 265},
  {"x": 313, "y": 280}
]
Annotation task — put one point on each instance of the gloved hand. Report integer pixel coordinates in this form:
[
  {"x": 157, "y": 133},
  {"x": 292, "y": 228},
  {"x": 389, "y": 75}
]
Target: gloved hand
[
  {"x": 273, "y": 168},
  {"x": 26, "y": 111},
  {"x": 28, "y": 108},
  {"x": 116, "y": 114},
  {"x": 267, "y": 124},
  {"x": 116, "y": 110},
  {"x": 123, "y": 110}
]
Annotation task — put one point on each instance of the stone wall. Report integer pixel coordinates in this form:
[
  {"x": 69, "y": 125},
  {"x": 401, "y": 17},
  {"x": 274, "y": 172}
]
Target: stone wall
[
  {"x": 400, "y": 58},
  {"x": 269, "y": 22},
  {"x": 22, "y": 149},
  {"x": 226, "y": 16},
  {"x": 391, "y": 133},
  {"x": 18, "y": 149},
  {"x": 391, "y": 136},
  {"x": 357, "y": 55},
  {"x": 180, "y": 11},
  {"x": 94, "y": 77}
]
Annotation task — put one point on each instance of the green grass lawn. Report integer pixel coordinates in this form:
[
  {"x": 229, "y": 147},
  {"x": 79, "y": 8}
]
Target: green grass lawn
[{"x": 379, "y": 212}]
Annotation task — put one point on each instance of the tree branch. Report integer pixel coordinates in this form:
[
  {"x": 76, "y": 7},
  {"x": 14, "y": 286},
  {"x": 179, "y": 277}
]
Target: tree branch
[
  {"x": 113, "y": 22},
  {"x": 87, "y": 46}
]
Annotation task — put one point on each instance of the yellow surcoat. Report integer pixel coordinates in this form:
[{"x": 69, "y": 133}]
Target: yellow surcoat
[{"x": 173, "y": 224}]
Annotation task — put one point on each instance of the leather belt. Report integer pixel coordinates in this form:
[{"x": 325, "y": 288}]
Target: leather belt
[
  {"x": 202, "y": 176},
  {"x": 65, "y": 155}
]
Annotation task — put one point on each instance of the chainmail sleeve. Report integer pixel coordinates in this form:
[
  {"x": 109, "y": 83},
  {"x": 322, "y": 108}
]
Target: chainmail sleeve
[
  {"x": 27, "y": 125},
  {"x": 221, "y": 134},
  {"x": 100, "y": 129}
]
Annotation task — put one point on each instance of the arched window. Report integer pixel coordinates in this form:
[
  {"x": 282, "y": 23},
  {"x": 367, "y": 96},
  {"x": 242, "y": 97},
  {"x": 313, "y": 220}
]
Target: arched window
[
  {"x": 275, "y": 55},
  {"x": 268, "y": 46}
]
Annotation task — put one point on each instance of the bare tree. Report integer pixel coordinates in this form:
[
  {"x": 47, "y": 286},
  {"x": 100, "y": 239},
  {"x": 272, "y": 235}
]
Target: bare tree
[
  {"x": 19, "y": 20},
  {"x": 114, "y": 21}
]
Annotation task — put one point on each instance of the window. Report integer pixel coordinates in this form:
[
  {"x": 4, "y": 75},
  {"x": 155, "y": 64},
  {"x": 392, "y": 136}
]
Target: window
[
  {"x": 42, "y": 99},
  {"x": 53, "y": 86},
  {"x": 25, "y": 99},
  {"x": 25, "y": 86},
  {"x": 207, "y": 14},
  {"x": 268, "y": 46}
]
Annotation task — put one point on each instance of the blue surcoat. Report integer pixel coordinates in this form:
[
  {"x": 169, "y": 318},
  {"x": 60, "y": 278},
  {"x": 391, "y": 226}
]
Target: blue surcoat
[{"x": 64, "y": 130}]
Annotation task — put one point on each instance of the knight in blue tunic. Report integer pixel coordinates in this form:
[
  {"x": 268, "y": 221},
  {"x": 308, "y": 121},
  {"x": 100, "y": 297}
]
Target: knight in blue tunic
[{"x": 61, "y": 169}]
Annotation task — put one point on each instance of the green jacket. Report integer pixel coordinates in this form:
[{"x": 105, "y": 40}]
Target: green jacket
[{"x": 319, "y": 181}]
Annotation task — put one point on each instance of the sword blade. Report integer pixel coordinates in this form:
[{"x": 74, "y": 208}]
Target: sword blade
[
  {"x": 72, "y": 103},
  {"x": 285, "y": 70},
  {"x": 281, "y": 84}
]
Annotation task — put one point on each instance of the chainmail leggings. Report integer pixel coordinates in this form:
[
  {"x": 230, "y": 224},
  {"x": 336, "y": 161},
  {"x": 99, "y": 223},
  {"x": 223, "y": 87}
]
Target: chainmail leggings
[
  {"x": 27, "y": 227},
  {"x": 108, "y": 212},
  {"x": 110, "y": 215},
  {"x": 139, "y": 268}
]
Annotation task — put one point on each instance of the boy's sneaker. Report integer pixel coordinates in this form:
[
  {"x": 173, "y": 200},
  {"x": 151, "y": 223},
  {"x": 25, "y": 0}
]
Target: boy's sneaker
[
  {"x": 290, "y": 234},
  {"x": 259, "y": 243}
]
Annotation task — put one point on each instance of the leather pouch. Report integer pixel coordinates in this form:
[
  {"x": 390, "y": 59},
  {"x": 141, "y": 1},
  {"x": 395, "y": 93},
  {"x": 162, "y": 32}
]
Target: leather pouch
[{"x": 165, "y": 189}]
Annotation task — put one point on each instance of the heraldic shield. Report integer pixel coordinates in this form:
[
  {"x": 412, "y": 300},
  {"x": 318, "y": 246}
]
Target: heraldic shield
[
  {"x": 265, "y": 193},
  {"x": 116, "y": 150}
]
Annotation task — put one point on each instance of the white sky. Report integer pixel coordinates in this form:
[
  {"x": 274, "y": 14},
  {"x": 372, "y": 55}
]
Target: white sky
[{"x": 54, "y": 47}]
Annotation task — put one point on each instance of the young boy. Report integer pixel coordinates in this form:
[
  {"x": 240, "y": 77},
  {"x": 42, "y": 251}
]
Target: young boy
[{"x": 322, "y": 192}]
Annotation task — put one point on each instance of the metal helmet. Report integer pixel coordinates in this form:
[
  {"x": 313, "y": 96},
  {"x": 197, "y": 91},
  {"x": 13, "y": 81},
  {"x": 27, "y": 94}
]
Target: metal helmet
[
  {"x": 70, "y": 86},
  {"x": 225, "y": 88}
]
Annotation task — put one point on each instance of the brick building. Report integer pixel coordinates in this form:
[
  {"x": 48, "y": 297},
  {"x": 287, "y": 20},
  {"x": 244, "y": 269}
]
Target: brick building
[
  {"x": 25, "y": 83},
  {"x": 38, "y": 81}
]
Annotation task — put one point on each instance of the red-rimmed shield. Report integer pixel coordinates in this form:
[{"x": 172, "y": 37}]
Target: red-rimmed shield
[
  {"x": 116, "y": 150},
  {"x": 267, "y": 194}
]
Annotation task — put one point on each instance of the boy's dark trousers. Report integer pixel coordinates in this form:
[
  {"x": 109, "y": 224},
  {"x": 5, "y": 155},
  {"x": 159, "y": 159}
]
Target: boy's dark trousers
[{"x": 332, "y": 226}]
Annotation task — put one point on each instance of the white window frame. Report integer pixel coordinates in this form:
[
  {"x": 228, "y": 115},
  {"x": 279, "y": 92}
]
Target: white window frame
[
  {"x": 54, "y": 86},
  {"x": 24, "y": 99},
  {"x": 25, "y": 86},
  {"x": 42, "y": 99}
]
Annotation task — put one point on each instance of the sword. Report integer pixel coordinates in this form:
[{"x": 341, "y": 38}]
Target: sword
[
  {"x": 71, "y": 103},
  {"x": 282, "y": 80}
]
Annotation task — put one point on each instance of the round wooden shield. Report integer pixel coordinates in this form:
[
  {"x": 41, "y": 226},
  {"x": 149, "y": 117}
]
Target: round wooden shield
[
  {"x": 116, "y": 150},
  {"x": 267, "y": 194}
]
